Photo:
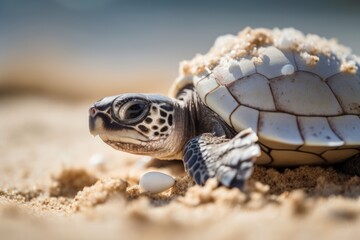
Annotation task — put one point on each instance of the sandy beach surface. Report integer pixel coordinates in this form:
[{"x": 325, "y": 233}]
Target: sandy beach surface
[{"x": 52, "y": 188}]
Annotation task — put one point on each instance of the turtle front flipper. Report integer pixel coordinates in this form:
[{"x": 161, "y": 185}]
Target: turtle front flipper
[{"x": 228, "y": 160}]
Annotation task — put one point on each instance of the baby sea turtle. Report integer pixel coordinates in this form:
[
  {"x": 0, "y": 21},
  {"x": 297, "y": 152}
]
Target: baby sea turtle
[{"x": 274, "y": 97}]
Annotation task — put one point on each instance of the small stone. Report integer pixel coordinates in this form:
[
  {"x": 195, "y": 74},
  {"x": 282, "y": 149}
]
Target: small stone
[
  {"x": 288, "y": 69},
  {"x": 261, "y": 188},
  {"x": 156, "y": 182},
  {"x": 97, "y": 161}
]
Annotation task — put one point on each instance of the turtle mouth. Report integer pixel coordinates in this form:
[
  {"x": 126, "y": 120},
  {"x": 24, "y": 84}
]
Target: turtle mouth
[
  {"x": 135, "y": 147},
  {"x": 122, "y": 135},
  {"x": 120, "y": 145},
  {"x": 114, "y": 139}
]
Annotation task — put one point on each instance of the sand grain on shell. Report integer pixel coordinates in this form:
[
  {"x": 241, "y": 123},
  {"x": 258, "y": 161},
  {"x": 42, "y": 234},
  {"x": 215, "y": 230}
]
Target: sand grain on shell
[{"x": 249, "y": 43}]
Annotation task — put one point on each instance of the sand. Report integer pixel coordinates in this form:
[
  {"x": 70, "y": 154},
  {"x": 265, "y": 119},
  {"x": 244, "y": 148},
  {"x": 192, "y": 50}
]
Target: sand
[{"x": 49, "y": 189}]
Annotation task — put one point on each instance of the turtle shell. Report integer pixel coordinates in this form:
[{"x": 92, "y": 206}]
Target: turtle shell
[{"x": 301, "y": 98}]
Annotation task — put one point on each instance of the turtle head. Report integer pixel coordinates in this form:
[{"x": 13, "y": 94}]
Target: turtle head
[{"x": 137, "y": 123}]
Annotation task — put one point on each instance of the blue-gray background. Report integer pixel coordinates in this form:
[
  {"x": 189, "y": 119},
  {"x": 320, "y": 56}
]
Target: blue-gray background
[{"x": 101, "y": 47}]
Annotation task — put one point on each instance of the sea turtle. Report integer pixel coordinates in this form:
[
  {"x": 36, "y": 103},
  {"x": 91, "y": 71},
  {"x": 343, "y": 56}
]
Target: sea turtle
[{"x": 271, "y": 96}]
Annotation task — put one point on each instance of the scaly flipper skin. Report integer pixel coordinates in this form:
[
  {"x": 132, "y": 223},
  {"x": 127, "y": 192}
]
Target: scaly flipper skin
[{"x": 229, "y": 160}]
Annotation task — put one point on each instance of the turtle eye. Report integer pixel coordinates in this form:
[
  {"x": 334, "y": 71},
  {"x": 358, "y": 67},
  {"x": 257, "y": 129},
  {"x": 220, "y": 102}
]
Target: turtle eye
[{"x": 133, "y": 111}]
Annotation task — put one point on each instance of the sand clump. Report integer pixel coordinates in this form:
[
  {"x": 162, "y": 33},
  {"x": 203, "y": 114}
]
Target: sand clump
[
  {"x": 99, "y": 193},
  {"x": 70, "y": 181},
  {"x": 311, "y": 193},
  {"x": 315, "y": 181}
]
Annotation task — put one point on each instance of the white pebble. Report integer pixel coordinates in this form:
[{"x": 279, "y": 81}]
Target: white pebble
[
  {"x": 97, "y": 160},
  {"x": 287, "y": 69},
  {"x": 156, "y": 182}
]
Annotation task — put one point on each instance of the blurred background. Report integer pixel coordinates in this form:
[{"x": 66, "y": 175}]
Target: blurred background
[{"x": 92, "y": 48}]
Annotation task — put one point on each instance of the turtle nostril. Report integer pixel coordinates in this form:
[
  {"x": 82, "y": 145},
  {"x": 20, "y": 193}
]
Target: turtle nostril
[{"x": 92, "y": 111}]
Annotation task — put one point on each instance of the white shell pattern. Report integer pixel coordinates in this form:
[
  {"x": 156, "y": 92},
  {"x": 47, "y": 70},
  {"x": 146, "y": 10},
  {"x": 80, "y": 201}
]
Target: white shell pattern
[{"x": 302, "y": 113}]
